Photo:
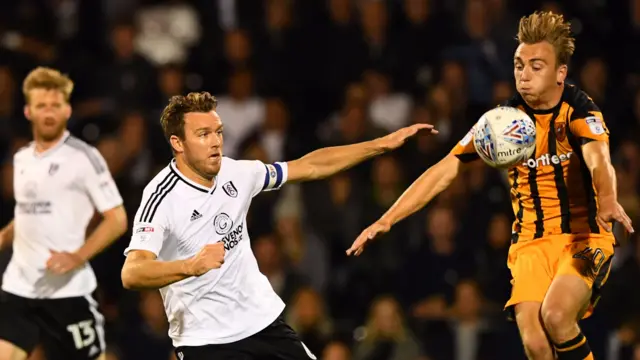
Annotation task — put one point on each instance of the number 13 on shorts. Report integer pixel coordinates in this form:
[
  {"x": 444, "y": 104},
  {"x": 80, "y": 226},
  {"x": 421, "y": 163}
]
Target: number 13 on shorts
[{"x": 83, "y": 333}]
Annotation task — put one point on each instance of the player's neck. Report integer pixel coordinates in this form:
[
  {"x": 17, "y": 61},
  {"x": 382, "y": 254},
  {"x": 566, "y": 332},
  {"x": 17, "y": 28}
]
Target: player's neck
[
  {"x": 192, "y": 174},
  {"x": 42, "y": 145},
  {"x": 549, "y": 100}
]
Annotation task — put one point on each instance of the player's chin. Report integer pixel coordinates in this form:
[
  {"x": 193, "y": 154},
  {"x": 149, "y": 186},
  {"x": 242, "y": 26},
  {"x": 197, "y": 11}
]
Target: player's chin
[
  {"x": 213, "y": 163},
  {"x": 528, "y": 95},
  {"x": 47, "y": 132}
]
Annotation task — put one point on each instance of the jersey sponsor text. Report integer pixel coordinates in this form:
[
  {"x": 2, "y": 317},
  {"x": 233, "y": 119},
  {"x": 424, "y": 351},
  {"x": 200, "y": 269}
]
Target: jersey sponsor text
[{"x": 547, "y": 159}]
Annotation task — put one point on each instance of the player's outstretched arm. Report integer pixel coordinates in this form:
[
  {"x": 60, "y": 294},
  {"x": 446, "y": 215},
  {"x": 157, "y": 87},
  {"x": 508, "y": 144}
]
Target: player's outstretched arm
[
  {"x": 597, "y": 158},
  {"x": 6, "y": 236},
  {"x": 142, "y": 270},
  {"x": 331, "y": 160},
  {"x": 420, "y": 193}
]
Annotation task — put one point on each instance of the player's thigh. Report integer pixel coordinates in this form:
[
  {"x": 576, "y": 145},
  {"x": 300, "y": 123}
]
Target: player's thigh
[
  {"x": 19, "y": 334},
  {"x": 532, "y": 333},
  {"x": 566, "y": 298},
  {"x": 531, "y": 271},
  {"x": 8, "y": 351},
  {"x": 280, "y": 341},
  {"x": 582, "y": 272},
  {"x": 73, "y": 328}
]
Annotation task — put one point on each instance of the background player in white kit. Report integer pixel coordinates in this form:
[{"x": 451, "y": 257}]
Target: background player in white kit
[
  {"x": 58, "y": 181},
  {"x": 190, "y": 238}
]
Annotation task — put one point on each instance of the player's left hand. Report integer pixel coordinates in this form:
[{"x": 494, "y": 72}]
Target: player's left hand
[
  {"x": 398, "y": 138},
  {"x": 63, "y": 262},
  {"x": 610, "y": 210}
]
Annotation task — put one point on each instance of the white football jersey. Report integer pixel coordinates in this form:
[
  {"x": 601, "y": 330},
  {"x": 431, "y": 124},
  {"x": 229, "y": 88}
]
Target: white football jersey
[
  {"x": 56, "y": 192},
  {"x": 177, "y": 218}
]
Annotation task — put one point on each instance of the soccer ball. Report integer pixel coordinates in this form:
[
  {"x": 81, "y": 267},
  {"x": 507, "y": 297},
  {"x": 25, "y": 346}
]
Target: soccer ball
[{"x": 504, "y": 137}]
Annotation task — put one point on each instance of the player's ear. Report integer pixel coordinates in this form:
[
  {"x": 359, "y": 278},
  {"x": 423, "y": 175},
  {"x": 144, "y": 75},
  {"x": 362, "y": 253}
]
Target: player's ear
[
  {"x": 27, "y": 112},
  {"x": 561, "y": 74},
  {"x": 67, "y": 111},
  {"x": 176, "y": 144}
]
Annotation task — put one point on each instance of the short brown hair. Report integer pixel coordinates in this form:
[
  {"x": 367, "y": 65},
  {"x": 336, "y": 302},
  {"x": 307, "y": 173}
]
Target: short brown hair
[
  {"x": 49, "y": 79},
  {"x": 172, "y": 119},
  {"x": 550, "y": 27}
]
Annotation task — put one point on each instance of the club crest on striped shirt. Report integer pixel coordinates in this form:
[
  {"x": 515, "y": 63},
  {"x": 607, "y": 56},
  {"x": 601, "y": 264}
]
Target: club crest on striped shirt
[
  {"x": 561, "y": 131},
  {"x": 230, "y": 189}
]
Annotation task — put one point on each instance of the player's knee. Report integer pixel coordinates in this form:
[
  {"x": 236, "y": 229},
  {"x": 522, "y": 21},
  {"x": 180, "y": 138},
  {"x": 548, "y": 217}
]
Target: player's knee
[
  {"x": 8, "y": 351},
  {"x": 536, "y": 346},
  {"x": 555, "y": 319}
]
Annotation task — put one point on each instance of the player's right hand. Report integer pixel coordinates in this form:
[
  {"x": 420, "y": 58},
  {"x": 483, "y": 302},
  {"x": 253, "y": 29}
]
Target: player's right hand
[
  {"x": 208, "y": 258},
  {"x": 369, "y": 233}
]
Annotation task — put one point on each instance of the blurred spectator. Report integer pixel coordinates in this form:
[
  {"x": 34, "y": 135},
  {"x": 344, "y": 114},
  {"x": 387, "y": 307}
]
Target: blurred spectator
[
  {"x": 385, "y": 335},
  {"x": 441, "y": 258},
  {"x": 167, "y": 31},
  {"x": 502, "y": 92},
  {"x": 241, "y": 111},
  {"x": 272, "y": 264},
  {"x": 127, "y": 81},
  {"x": 272, "y": 135},
  {"x": 617, "y": 298},
  {"x": 465, "y": 334},
  {"x": 493, "y": 275},
  {"x": 303, "y": 249},
  {"x": 479, "y": 53},
  {"x": 343, "y": 36},
  {"x": 148, "y": 340},
  {"x": 378, "y": 36},
  {"x": 308, "y": 317},
  {"x": 419, "y": 49},
  {"x": 388, "y": 110},
  {"x": 336, "y": 350}
]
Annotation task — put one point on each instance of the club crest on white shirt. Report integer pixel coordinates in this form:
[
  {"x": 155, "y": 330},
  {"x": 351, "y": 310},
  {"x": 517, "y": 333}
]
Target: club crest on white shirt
[{"x": 230, "y": 189}]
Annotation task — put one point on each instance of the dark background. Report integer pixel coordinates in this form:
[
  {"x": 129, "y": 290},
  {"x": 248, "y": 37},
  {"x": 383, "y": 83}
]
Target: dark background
[{"x": 295, "y": 75}]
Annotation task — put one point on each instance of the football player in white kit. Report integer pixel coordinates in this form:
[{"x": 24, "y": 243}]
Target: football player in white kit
[
  {"x": 58, "y": 182},
  {"x": 190, "y": 237}
]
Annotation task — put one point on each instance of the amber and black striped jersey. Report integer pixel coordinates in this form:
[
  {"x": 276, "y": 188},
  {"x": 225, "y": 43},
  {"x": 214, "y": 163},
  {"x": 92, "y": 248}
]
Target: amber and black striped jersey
[{"x": 552, "y": 192}]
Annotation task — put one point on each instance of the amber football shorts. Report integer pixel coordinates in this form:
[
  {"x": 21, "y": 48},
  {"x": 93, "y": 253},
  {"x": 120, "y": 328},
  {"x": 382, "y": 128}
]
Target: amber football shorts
[{"x": 535, "y": 263}]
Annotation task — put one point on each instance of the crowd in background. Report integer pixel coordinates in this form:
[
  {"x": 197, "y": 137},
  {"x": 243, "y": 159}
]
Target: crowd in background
[{"x": 295, "y": 75}]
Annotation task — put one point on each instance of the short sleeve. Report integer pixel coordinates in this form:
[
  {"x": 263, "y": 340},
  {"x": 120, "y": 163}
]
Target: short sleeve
[
  {"x": 98, "y": 182},
  {"x": 464, "y": 149},
  {"x": 150, "y": 225},
  {"x": 268, "y": 177},
  {"x": 589, "y": 125}
]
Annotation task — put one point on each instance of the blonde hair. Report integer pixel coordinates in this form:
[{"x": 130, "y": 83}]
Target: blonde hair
[
  {"x": 49, "y": 79},
  {"x": 549, "y": 27}
]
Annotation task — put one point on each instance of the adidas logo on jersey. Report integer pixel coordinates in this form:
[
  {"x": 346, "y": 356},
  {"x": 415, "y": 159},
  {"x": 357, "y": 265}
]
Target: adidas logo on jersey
[{"x": 195, "y": 215}]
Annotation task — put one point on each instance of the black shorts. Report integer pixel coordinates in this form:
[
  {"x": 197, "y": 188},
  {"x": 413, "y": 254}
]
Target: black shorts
[
  {"x": 67, "y": 328},
  {"x": 277, "y": 341}
]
